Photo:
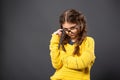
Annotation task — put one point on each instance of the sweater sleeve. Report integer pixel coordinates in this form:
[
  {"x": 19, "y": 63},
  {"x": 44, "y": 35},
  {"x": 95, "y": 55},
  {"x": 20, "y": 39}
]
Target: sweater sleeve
[
  {"x": 54, "y": 51},
  {"x": 86, "y": 58}
]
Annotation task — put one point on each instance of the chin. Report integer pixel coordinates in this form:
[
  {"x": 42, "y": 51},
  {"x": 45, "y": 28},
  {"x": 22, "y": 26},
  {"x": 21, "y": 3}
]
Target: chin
[{"x": 72, "y": 37}]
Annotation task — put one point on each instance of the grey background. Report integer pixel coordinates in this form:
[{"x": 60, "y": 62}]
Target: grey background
[{"x": 26, "y": 27}]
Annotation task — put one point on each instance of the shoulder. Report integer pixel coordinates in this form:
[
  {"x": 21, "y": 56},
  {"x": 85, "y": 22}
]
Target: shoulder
[{"x": 89, "y": 40}]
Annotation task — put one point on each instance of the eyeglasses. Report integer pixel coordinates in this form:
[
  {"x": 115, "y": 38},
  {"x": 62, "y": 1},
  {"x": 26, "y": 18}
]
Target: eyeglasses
[{"x": 70, "y": 29}]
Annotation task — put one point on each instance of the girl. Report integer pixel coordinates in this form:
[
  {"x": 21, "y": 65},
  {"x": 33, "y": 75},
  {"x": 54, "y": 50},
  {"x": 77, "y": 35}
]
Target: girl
[{"x": 71, "y": 50}]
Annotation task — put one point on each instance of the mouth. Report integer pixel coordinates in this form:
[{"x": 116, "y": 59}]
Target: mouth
[{"x": 72, "y": 34}]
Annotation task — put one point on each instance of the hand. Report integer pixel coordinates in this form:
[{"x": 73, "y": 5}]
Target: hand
[{"x": 58, "y": 32}]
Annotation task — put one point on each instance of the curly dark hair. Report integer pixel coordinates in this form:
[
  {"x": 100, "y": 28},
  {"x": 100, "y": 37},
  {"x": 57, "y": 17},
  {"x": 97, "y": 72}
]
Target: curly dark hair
[{"x": 75, "y": 17}]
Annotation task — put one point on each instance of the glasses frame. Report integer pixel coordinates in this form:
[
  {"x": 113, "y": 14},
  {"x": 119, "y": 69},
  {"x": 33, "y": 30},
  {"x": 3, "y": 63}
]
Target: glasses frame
[{"x": 71, "y": 29}]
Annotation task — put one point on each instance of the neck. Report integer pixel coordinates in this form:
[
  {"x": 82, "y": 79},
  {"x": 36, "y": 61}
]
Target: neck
[{"x": 73, "y": 40}]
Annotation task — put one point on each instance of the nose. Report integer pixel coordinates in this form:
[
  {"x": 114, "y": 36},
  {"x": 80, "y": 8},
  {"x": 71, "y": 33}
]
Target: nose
[{"x": 69, "y": 31}]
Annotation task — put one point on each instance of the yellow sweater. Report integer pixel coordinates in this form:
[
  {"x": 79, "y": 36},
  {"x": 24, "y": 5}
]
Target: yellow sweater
[{"x": 69, "y": 67}]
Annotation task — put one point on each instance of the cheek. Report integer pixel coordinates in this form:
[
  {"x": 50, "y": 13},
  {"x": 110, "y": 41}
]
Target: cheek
[{"x": 76, "y": 32}]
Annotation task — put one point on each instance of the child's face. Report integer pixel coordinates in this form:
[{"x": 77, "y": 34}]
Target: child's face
[{"x": 71, "y": 29}]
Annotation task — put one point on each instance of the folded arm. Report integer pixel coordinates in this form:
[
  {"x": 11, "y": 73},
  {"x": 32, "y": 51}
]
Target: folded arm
[{"x": 86, "y": 58}]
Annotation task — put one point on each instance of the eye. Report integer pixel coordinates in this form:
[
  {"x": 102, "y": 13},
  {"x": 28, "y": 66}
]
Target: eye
[{"x": 72, "y": 28}]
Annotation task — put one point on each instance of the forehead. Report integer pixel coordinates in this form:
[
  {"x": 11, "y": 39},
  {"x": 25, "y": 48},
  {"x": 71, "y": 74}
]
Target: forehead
[{"x": 68, "y": 25}]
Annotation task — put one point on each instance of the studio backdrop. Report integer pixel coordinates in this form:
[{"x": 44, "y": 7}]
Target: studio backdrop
[{"x": 25, "y": 31}]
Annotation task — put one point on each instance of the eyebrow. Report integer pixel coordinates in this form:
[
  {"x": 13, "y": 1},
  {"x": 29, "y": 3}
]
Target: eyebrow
[{"x": 70, "y": 27}]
